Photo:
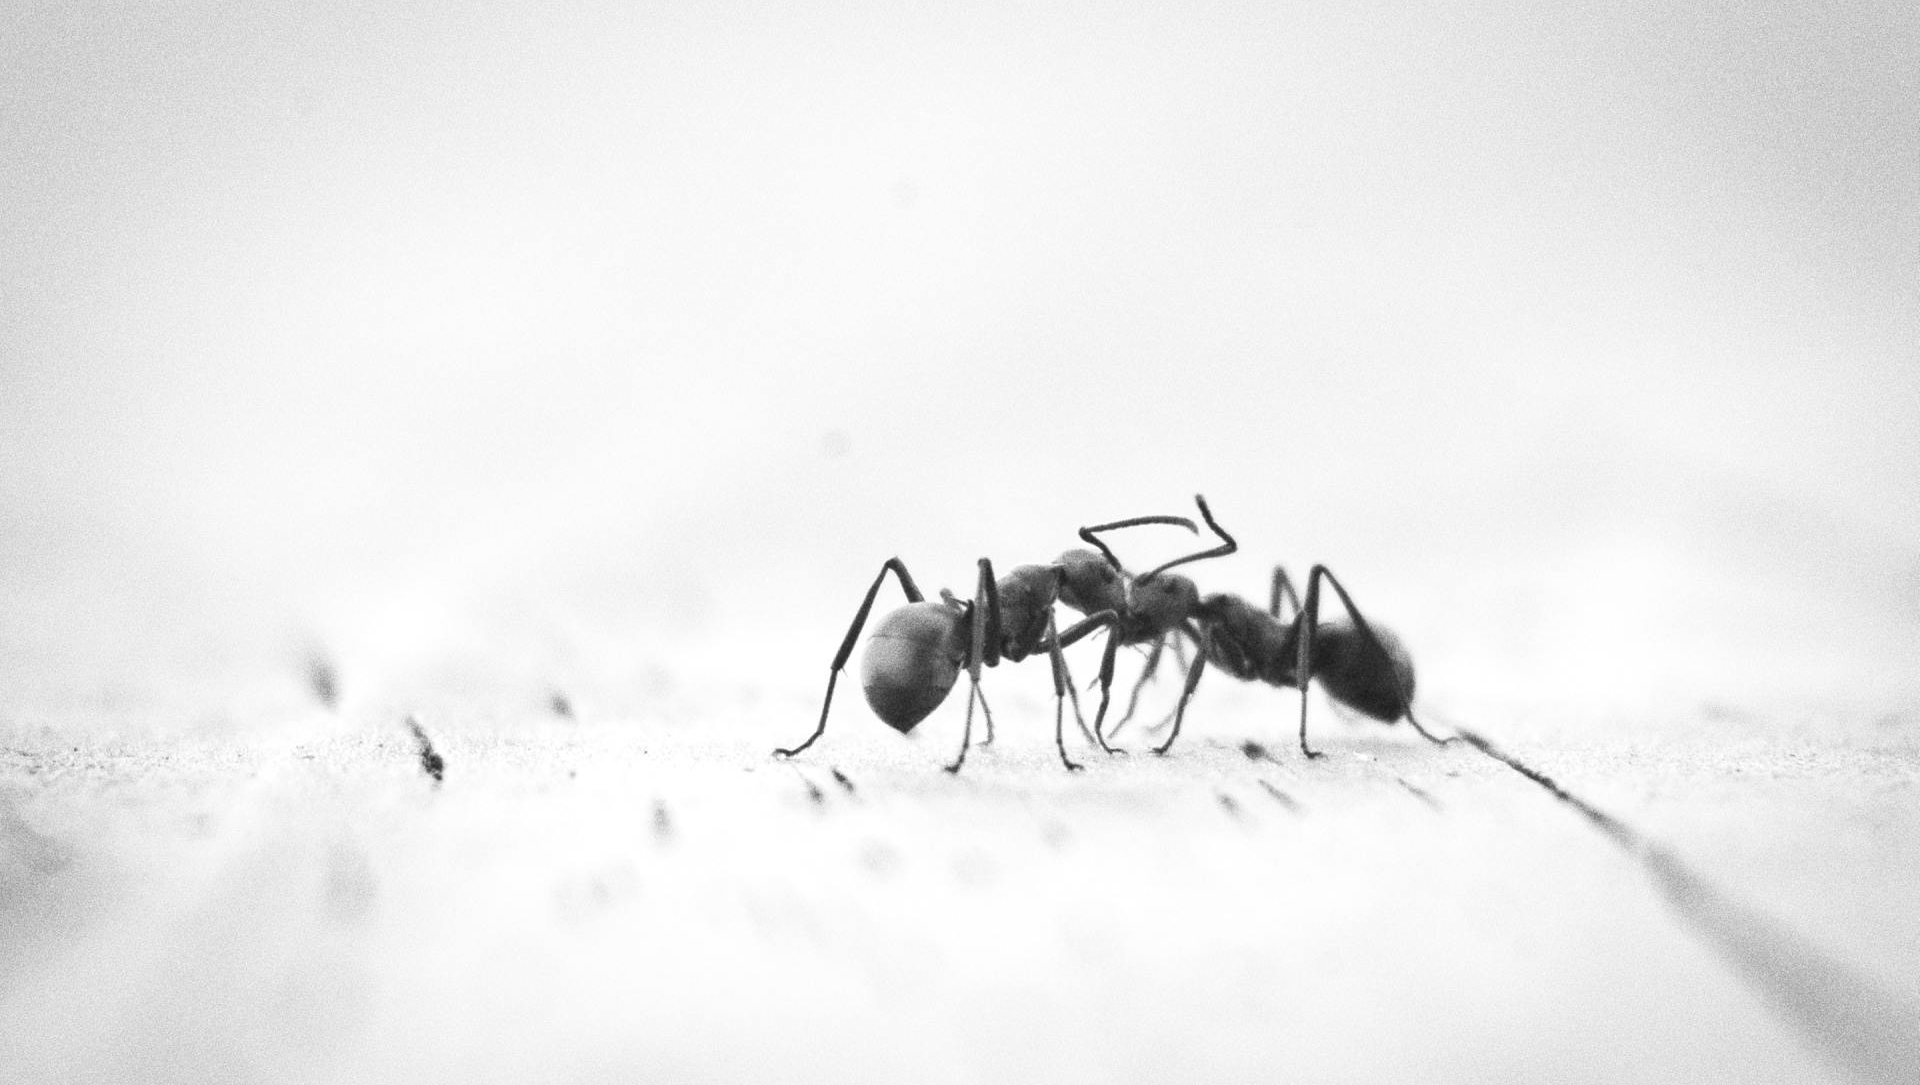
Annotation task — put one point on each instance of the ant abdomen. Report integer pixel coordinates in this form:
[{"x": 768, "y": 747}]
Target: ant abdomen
[
  {"x": 912, "y": 662},
  {"x": 1349, "y": 669}
]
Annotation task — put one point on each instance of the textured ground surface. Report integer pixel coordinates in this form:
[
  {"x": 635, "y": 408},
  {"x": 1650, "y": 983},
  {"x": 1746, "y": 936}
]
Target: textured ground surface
[{"x": 656, "y": 899}]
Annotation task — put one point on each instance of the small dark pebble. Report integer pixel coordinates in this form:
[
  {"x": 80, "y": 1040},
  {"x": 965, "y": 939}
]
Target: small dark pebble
[
  {"x": 430, "y": 760},
  {"x": 324, "y": 680}
]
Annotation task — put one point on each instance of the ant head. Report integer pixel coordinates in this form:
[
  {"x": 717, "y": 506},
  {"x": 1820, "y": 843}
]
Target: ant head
[
  {"x": 1089, "y": 583},
  {"x": 1167, "y": 599}
]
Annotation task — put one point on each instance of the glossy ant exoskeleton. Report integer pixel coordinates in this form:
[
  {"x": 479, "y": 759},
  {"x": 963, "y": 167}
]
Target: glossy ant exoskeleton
[
  {"x": 1358, "y": 664},
  {"x": 918, "y": 651}
]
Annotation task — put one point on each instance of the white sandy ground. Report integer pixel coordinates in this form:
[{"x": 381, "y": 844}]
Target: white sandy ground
[{"x": 656, "y": 899}]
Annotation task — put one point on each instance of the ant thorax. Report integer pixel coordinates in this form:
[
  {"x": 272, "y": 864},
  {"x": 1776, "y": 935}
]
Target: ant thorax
[{"x": 1089, "y": 584}]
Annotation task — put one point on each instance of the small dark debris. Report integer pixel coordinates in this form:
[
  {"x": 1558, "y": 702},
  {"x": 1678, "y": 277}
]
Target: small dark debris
[
  {"x": 818, "y": 796},
  {"x": 324, "y": 680},
  {"x": 662, "y": 822},
  {"x": 1419, "y": 793},
  {"x": 1281, "y": 797},
  {"x": 1257, "y": 752},
  {"x": 1228, "y": 803},
  {"x": 841, "y": 779},
  {"x": 562, "y": 707},
  {"x": 430, "y": 760}
]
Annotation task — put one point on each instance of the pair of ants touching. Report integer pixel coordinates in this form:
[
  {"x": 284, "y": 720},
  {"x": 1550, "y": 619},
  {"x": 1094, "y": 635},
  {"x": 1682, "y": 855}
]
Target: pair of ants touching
[{"x": 917, "y": 652}]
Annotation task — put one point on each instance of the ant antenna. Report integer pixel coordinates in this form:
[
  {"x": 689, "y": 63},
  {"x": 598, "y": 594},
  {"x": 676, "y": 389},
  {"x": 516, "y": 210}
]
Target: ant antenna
[
  {"x": 1088, "y": 533},
  {"x": 1227, "y": 545}
]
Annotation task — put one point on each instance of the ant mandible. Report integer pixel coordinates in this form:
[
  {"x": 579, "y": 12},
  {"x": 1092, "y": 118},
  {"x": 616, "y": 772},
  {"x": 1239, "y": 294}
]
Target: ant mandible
[
  {"x": 1359, "y": 664},
  {"x": 917, "y": 651}
]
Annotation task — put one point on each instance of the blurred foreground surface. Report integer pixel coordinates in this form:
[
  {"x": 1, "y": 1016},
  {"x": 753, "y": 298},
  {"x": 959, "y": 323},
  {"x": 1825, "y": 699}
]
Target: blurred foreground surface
[{"x": 638, "y": 898}]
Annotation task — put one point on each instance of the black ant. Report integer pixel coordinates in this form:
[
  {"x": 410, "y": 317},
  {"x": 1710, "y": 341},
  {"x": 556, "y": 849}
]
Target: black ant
[
  {"x": 918, "y": 651},
  {"x": 1360, "y": 665},
  {"x": 1148, "y": 607}
]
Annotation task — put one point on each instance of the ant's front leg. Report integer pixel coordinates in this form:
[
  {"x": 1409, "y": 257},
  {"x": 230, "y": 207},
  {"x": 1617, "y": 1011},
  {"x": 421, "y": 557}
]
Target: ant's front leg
[
  {"x": 1146, "y": 675},
  {"x": 912, "y": 590},
  {"x": 1110, "y": 620},
  {"x": 1193, "y": 681}
]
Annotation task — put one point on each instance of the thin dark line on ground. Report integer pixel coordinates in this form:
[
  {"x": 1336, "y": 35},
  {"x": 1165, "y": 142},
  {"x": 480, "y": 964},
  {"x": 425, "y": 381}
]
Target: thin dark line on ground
[
  {"x": 1284, "y": 799},
  {"x": 1418, "y": 793},
  {"x": 1870, "y": 1031}
]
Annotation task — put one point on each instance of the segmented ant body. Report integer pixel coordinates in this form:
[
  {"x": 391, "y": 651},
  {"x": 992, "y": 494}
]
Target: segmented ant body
[
  {"x": 1357, "y": 663},
  {"x": 917, "y": 652}
]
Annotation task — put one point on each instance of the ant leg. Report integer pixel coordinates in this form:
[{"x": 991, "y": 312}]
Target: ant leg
[
  {"x": 966, "y": 736},
  {"x": 912, "y": 590},
  {"x": 1146, "y": 675},
  {"x": 1061, "y": 684},
  {"x": 1282, "y": 590},
  {"x": 1360, "y": 623},
  {"x": 1073, "y": 695},
  {"x": 978, "y": 615},
  {"x": 1303, "y": 658},
  {"x": 1075, "y": 632},
  {"x": 1193, "y": 681},
  {"x": 990, "y": 588}
]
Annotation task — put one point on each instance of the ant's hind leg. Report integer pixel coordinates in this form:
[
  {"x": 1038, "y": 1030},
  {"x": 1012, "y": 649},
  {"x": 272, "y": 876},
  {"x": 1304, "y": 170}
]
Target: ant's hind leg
[
  {"x": 1360, "y": 623},
  {"x": 1309, "y": 621},
  {"x": 977, "y": 620},
  {"x": 989, "y": 590},
  {"x": 1282, "y": 591},
  {"x": 912, "y": 590},
  {"x": 966, "y": 736}
]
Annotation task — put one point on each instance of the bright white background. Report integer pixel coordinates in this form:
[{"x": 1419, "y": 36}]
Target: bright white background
[{"x": 598, "y": 342}]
